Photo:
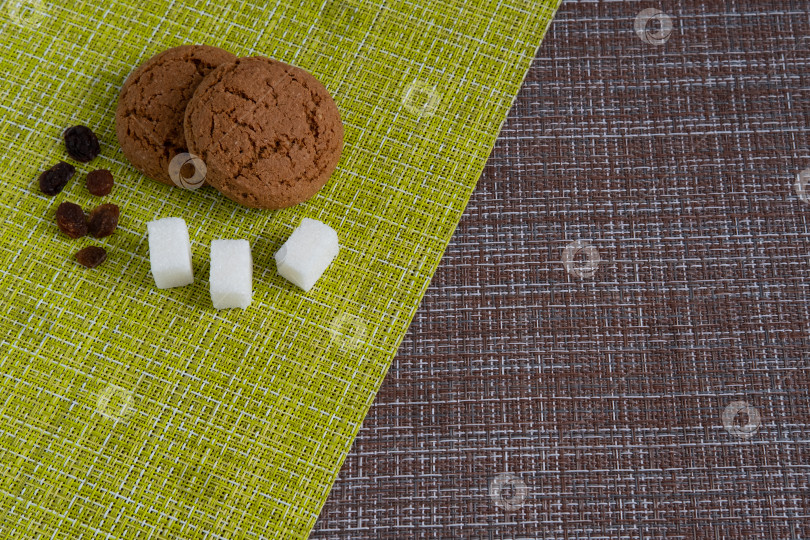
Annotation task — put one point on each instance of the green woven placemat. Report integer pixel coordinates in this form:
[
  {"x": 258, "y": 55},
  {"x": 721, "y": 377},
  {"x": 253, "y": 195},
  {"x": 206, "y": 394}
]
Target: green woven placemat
[{"x": 128, "y": 411}]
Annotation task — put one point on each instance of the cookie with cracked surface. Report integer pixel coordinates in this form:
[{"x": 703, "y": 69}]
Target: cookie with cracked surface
[
  {"x": 152, "y": 103},
  {"x": 269, "y": 133}
]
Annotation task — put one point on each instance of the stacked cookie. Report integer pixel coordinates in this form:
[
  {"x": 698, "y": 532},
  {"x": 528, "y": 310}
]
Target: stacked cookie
[{"x": 264, "y": 133}]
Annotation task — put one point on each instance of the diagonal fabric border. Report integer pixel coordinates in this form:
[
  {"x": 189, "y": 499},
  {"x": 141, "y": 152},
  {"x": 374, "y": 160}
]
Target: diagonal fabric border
[
  {"x": 659, "y": 386},
  {"x": 129, "y": 411}
]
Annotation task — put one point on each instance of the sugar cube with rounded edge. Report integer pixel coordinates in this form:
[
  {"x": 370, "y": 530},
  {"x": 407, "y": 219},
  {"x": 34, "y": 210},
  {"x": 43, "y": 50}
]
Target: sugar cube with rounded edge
[
  {"x": 231, "y": 281},
  {"x": 170, "y": 252},
  {"x": 307, "y": 253}
]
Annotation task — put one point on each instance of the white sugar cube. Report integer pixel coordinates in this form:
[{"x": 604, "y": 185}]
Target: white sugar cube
[
  {"x": 231, "y": 274},
  {"x": 307, "y": 253},
  {"x": 170, "y": 252}
]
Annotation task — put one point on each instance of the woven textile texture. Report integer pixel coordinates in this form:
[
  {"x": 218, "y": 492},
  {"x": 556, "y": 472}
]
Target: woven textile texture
[
  {"x": 132, "y": 412},
  {"x": 661, "y": 392}
]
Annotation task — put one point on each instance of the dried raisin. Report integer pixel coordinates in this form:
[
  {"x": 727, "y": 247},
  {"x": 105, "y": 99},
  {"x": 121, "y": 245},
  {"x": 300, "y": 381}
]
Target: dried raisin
[
  {"x": 103, "y": 220},
  {"x": 100, "y": 182},
  {"x": 71, "y": 220},
  {"x": 54, "y": 180},
  {"x": 91, "y": 256},
  {"x": 81, "y": 143}
]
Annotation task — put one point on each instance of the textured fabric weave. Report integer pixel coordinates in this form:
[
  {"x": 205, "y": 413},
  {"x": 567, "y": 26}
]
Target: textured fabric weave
[
  {"x": 129, "y": 411},
  {"x": 605, "y": 395}
]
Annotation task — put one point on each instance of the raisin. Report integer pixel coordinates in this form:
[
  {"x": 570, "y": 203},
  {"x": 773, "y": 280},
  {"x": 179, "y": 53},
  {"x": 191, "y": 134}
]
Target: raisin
[
  {"x": 91, "y": 256},
  {"x": 71, "y": 220},
  {"x": 103, "y": 220},
  {"x": 54, "y": 180},
  {"x": 81, "y": 143},
  {"x": 100, "y": 182}
]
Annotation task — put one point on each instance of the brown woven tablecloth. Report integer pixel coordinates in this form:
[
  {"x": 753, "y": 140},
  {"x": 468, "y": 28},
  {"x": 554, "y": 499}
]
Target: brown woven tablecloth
[{"x": 661, "y": 391}]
